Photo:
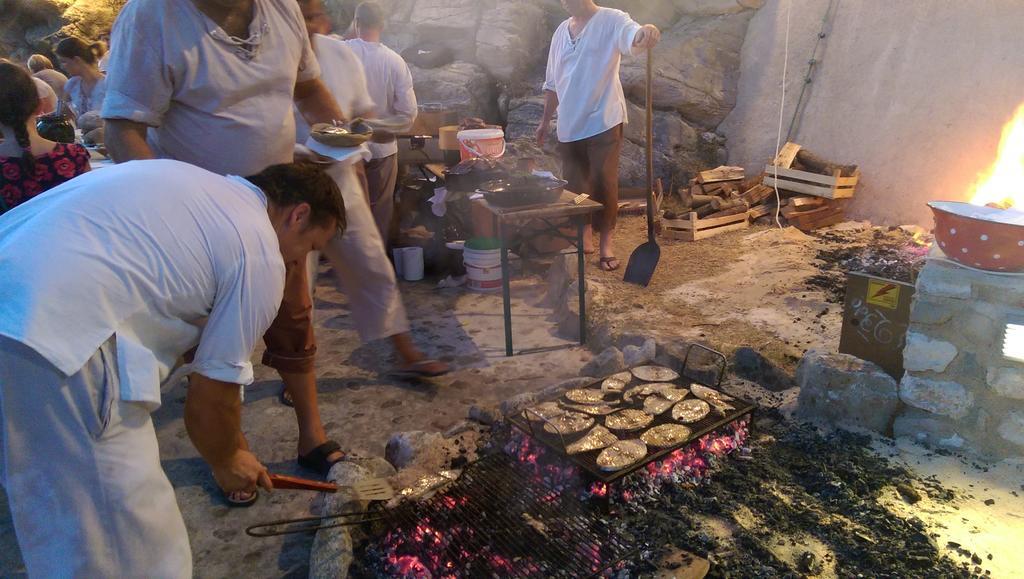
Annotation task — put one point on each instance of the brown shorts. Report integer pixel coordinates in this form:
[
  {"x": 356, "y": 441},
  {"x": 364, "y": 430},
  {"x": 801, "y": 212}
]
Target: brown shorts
[
  {"x": 291, "y": 345},
  {"x": 591, "y": 166}
]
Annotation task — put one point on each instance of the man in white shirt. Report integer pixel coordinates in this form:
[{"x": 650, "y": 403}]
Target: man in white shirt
[
  {"x": 359, "y": 259},
  {"x": 582, "y": 83},
  {"x": 213, "y": 83},
  {"x": 140, "y": 262},
  {"x": 390, "y": 83}
]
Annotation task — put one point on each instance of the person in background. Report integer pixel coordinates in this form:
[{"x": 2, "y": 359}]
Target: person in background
[
  {"x": 582, "y": 84},
  {"x": 87, "y": 87},
  {"x": 359, "y": 259},
  {"x": 390, "y": 84},
  {"x": 104, "y": 44},
  {"x": 106, "y": 281},
  {"x": 29, "y": 164},
  {"x": 47, "y": 98},
  {"x": 213, "y": 83},
  {"x": 42, "y": 68}
]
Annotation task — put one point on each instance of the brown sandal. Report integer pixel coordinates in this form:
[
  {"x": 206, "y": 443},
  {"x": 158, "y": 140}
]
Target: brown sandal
[{"x": 609, "y": 263}]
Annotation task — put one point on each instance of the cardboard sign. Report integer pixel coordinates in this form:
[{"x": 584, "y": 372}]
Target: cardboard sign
[{"x": 875, "y": 319}]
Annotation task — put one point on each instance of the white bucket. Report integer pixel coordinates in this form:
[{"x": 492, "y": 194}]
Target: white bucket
[
  {"x": 483, "y": 269},
  {"x": 412, "y": 263},
  {"x": 486, "y": 143}
]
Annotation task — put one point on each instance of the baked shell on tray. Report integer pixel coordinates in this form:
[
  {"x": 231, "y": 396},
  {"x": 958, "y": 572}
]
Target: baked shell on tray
[
  {"x": 569, "y": 423},
  {"x": 543, "y": 411},
  {"x": 599, "y": 437},
  {"x": 621, "y": 455},
  {"x": 655, "y": 373},
  {"x": 585, "y": 396},
  {"x": 628, "y": 420},
  {"x": 690, "y": 411},
  {"x": 665, "y": 435}
]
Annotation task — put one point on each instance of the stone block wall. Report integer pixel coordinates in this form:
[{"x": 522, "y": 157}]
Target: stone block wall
[{"x": 959, "y": 390}]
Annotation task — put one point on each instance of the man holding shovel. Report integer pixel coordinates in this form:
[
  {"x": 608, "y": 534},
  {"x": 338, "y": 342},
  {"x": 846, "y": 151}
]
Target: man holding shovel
[{"x": 582, "y": 84}]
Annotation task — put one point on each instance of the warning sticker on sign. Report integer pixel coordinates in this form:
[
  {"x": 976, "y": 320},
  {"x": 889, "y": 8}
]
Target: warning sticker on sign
[{"x": 883, "y": 294}]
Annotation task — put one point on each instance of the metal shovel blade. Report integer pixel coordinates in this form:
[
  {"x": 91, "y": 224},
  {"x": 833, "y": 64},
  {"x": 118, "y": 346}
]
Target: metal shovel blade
[
  {"x": 642, "y": 264},
  {"x": 644, "y": 259}
]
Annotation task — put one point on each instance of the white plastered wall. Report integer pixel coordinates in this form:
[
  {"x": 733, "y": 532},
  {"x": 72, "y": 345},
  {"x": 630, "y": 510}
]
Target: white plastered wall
[{"x": 914, "y": 91}]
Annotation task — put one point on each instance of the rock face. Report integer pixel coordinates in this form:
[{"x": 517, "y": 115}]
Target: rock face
[
  {"x": 696, "y": 68},
  {"x": 500, "y": 50},
  {"x": 507, "y": 41},
  {"x": 843, "y": 389},
  {"x": 29, "y": 26},
  {"x": 463, "y": 87}
]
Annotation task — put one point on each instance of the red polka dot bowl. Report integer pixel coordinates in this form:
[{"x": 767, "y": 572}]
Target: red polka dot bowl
[{"x": 980, "y": 237}]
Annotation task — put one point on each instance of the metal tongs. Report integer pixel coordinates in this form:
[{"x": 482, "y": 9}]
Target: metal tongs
[{"x": 365, "y": 490}]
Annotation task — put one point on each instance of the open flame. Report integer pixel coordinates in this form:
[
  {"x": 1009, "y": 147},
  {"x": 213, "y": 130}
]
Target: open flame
[{"x": 1002, "y": 184}]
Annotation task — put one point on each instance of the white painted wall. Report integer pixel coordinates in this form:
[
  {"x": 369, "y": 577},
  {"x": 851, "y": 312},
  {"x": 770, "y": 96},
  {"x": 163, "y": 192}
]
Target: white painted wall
[{"x": 914, "y": 91}]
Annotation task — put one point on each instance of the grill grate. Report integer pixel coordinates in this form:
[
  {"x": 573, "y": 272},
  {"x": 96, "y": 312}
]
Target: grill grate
[{"x": 494, "y": 522}]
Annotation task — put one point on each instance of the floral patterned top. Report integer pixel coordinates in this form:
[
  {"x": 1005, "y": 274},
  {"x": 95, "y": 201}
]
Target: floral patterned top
[{"x": 61, "y": 164}]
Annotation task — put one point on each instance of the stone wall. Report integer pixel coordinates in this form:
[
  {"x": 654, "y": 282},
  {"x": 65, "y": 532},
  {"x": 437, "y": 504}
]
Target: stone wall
[{"x": 960, "y": 391}]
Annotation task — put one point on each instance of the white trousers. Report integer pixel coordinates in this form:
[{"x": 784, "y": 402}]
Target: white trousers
[
  {"x": 82, "y": 473},
  {"x": 361, "y": 266}
]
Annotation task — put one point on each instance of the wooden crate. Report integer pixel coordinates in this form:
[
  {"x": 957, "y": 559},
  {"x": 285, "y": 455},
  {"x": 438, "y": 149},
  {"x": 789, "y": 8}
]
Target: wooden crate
[
  {"x": 824, "y": 186},
  {"x": 695, "y": 229},
  {"x": 808, "y": 213}
]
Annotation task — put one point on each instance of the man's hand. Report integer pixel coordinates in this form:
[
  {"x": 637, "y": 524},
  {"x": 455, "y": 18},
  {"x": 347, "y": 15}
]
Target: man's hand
[
  {"x": 647, "y": 37},
  {"x": 241, "y": 472},
  {"x": 542, "y": 133}
]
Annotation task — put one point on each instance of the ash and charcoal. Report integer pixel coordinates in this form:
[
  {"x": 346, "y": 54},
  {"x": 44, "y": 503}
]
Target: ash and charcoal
[
  {"x": 804, "y": 504},
  {"x": 888, "y": 253}
]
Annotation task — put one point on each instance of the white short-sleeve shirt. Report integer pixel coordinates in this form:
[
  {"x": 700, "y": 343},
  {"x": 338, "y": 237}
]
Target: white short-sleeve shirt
[
  {"x": 342, "y": 73},
  {"x": 222, "y": 103},
  {"x": 584, "y": 73},
  {"x": 390, "y": 84},
  {"x": 142, "y": 251}
]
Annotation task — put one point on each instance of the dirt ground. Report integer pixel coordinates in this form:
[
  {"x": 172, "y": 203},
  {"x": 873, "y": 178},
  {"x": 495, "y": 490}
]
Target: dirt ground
[{"x": 742, "y": 288}]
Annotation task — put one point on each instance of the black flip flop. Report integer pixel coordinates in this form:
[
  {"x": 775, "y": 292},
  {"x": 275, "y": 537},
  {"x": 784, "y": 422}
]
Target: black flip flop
[
  {"x": 316, "y": 459},
  {"x": 240, "y": 504}
]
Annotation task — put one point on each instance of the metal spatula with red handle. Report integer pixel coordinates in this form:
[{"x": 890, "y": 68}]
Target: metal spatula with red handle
[{"x": 372, "y": 489}]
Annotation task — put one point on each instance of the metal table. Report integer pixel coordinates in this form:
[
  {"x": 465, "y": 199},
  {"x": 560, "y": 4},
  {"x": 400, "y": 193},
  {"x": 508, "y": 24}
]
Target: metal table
[{"x": 549, "y": 215}]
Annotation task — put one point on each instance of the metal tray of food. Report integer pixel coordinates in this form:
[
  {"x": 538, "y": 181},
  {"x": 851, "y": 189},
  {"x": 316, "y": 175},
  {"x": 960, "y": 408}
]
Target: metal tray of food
[{"x": 587, "y": 461}]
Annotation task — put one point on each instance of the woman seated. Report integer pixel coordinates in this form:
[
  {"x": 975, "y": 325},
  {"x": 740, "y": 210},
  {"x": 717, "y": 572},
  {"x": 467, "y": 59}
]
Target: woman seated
[
  {"x": 29, "y": 164},
  {"x": 86, "y": 86}
]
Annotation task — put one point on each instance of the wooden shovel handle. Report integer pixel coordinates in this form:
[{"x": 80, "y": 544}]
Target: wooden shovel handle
[{"x": 300, "y": 484}]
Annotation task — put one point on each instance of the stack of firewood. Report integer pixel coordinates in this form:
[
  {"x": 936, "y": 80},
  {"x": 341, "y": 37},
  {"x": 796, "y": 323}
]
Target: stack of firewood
[{"x": 813, "y": 193}]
